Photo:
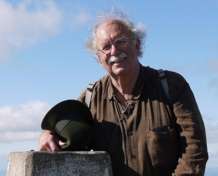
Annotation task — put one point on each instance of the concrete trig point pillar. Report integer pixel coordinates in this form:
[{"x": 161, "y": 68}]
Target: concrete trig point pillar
[{"x": 59, "y": 164}]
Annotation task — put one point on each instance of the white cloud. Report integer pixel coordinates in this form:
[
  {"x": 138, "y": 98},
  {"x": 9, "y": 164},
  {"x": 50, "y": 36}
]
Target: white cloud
[
  {"x": 19, "y": 136},
  {"x": 26, "y": 23},
  {"x": 21, "y": 122}
]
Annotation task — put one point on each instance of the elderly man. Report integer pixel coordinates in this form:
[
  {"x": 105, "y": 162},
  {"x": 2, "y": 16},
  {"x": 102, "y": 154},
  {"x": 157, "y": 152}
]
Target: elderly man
[{"x": 145, "y": 130}]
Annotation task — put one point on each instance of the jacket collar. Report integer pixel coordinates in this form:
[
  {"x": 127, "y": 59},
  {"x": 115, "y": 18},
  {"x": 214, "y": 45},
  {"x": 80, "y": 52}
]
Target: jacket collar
[{"x": 137, "y": 90}]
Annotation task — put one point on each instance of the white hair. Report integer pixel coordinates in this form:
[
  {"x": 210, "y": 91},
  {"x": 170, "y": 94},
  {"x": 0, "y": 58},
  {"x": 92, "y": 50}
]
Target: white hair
[{"x": 137, "y": 32}]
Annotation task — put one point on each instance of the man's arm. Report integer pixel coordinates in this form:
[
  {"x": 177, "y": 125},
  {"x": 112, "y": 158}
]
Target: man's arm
[{"x": 192, "y": 133}]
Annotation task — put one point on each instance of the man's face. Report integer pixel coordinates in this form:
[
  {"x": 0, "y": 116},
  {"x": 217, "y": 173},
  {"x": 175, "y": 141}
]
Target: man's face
[{"x": 116, "y": 48}]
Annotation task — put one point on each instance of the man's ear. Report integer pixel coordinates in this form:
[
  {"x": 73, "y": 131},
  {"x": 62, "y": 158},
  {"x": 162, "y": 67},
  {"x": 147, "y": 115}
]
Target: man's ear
[{"x": 138, "y": 45}]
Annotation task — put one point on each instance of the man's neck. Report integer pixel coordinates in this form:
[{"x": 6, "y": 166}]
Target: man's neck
[{"x": 124, "y": 84}]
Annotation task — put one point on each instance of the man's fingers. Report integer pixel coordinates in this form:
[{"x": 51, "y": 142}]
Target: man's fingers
[
  {"x": 50, "y": 147},
  {"x": 48, "y": 142},
  {"x": 53, "y": 147}
]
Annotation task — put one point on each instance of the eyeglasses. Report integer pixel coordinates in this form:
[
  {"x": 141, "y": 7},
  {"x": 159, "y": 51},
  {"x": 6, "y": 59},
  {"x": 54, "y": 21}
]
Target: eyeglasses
[{"x": 119, "y": 43}]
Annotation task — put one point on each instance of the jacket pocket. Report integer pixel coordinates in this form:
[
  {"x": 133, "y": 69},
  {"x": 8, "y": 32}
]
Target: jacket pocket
[{"x": 162, "y": 145}]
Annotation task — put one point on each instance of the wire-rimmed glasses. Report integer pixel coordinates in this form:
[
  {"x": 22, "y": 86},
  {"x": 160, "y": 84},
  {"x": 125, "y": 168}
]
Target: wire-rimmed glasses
[{"x": 119, "y": 43}]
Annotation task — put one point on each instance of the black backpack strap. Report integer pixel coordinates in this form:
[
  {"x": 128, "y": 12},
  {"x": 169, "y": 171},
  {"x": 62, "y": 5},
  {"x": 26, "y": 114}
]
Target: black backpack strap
[
  {"x": 165, "y": 88},
  {"x": 88, "y": 95},
  {"x": 164, "y": 83}
]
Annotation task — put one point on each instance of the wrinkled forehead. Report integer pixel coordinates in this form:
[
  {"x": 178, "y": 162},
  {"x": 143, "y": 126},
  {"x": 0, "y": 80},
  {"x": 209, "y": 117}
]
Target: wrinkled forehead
[{"x": 110, "y": 30}]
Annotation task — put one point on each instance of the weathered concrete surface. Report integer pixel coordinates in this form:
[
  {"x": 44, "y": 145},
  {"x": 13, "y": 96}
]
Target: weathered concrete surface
[{"x": 59, "y": 164}]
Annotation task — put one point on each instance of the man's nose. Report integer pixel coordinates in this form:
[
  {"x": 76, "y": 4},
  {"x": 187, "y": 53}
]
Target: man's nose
[{"x": 113, "y": 49}]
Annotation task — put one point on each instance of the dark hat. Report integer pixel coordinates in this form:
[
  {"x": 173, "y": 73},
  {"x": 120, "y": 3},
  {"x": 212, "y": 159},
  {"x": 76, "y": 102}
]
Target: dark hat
[{"x": 72, "y": 122}]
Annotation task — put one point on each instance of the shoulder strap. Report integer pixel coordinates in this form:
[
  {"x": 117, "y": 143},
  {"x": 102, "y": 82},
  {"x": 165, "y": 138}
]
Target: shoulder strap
[
  {"x": 164, "y": 83},
  {"x": 88, "y": 95}
]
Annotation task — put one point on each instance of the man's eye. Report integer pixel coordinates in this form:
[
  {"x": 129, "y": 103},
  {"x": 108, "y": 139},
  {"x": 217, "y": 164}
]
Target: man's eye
[
  {"x": 107, "y": 47},
  {"x": 121, "y": 42}
]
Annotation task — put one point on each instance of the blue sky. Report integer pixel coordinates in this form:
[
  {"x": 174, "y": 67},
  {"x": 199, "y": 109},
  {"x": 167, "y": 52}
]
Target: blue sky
[{"x": 43, "y": 59}]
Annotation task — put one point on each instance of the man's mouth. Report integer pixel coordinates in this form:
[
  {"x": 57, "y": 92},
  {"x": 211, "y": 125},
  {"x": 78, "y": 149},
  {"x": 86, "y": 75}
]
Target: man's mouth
[{"x": 117, "y": 59}]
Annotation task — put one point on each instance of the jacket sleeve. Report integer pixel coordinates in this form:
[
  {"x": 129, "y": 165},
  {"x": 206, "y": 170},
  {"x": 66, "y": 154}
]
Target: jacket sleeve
[{"x": 191, "y": 131}]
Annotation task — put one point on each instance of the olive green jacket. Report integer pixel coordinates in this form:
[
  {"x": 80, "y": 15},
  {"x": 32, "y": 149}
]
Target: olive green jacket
[{"x": 151, "y": 135}]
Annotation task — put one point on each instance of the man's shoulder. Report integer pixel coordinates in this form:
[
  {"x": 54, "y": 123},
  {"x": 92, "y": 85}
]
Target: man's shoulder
[
  {"x": 92, "y": 88},
  {"x": 99, "y": 86},
  {"x": 102, "y": 82},
  {"x": 172, "y": 76},
  {"x": 175, "y": 79},
  {"x": 176, "y": 83}
]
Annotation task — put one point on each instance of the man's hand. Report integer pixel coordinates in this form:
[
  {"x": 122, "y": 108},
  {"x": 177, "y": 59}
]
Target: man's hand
[{"x": 48, "y": 142}]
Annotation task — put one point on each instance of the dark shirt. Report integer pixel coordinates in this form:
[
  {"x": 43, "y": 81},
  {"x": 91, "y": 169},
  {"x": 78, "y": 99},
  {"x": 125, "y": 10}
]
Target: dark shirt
[{"x": 150, "y": 135}]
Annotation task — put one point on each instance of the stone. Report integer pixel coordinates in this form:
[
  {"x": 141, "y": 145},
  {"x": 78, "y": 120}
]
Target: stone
[{"x": 64, "y": 163}]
